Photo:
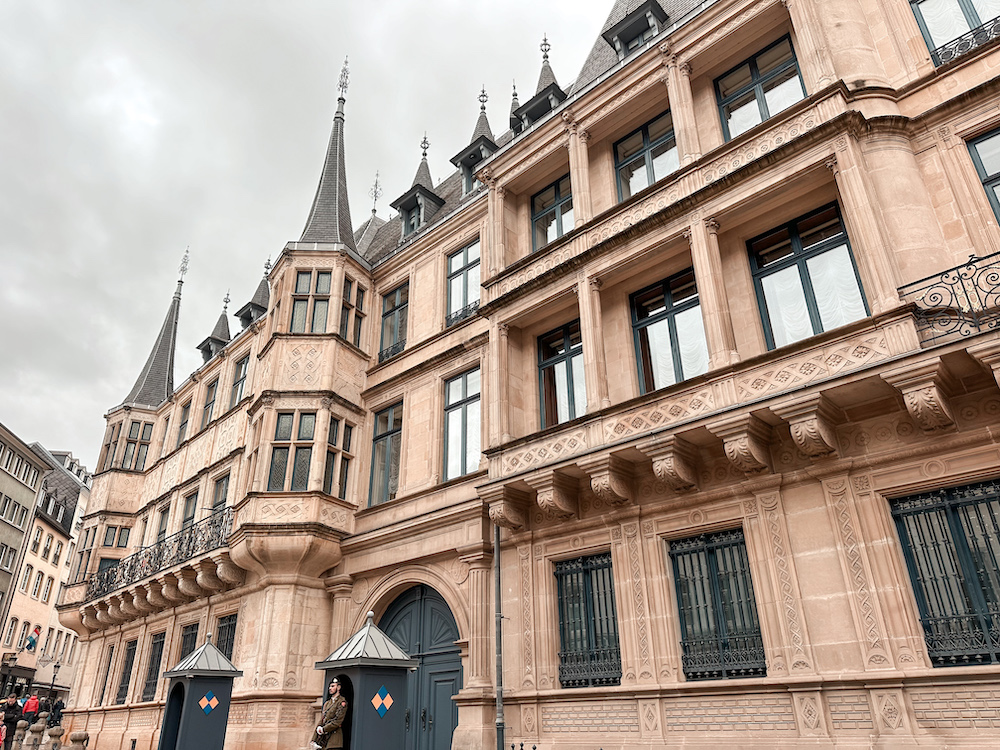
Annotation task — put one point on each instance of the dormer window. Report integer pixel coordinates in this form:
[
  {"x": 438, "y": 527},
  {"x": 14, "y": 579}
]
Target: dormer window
[
  {"x": 411, "y": 220},
  {"x": 636, "y": 29}
]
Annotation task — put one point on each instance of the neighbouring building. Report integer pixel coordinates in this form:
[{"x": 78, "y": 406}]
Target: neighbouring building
[{"x": 710, "y": 333}]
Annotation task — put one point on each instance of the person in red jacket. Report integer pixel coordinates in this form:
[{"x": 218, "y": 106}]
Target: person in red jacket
[{"x": 31, "y": 709}]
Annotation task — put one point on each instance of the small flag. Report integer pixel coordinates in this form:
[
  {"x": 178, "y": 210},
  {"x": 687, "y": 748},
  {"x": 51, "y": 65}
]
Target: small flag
[{"x": 33, "y": 638}]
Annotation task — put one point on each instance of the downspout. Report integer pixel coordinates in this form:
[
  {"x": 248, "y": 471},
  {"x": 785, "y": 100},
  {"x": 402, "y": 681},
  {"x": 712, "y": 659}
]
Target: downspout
[{"x": 499, "y": 636}]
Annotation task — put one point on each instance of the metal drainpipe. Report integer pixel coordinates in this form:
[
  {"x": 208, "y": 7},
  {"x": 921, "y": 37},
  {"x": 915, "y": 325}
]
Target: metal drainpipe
[{"x": 499, "y": 636}]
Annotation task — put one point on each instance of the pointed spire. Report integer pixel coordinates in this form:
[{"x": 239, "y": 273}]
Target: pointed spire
[
  {"x": 483, "y": 124},
  {"x": 257, "y": 305},
  {"x": 546, "y": 78},
  {"x": 330, "y": 216},
  {"x": 423, "y": 176},
  {"x": 219, "y": 336},
  {"x": 515, "y": 121},
  {"x": 156, "y": 381}
]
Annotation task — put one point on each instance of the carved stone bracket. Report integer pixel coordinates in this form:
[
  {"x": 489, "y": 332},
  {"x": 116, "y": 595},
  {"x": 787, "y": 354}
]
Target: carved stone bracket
[
  {"x": 206, "y": 577},
  {"x": 746, "y": 439},
  {"x": 171, "y": 591},
  {"x": 811, "y": 421},
  {"x": 555, "y": 493},
  {"x": 675, "y": 461},
  {"x": 611, "y": 478},
  {"x": 115, "y": 611},
  {"x": 988, "y": 355},
  {"x": 88, "y": 616},
  {"x": 226, "y": 570},
  {"x": 926, "y": 388},
  {"x": 140, "y": 602},
  {"x": 508, "y": 506}
]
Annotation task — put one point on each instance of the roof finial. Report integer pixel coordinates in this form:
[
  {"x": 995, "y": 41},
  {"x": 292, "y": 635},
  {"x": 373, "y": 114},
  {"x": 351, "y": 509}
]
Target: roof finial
[
  {"x": 371, "y": 616},
  {"x": 267, "y": 265},
  {"x": 375, "y": 192},
  {"x": 345, "y": 79},
  {"x": 225, "y": 302},
  {"x": 483, "y": 98},
  {"x": 545, "y": 47},
  {"x": 425, "y": 144},
  {"x": 183, "y": 268}
]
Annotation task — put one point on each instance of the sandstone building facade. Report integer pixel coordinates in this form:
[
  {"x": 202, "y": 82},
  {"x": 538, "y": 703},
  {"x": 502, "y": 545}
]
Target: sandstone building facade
[{"x": 710, "y": 334}]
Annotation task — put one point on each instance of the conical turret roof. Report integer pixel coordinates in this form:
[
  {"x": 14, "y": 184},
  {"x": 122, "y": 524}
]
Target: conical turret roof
[
  {"x": 330, "y": 216},
  {"x": 156, "y": 381}
]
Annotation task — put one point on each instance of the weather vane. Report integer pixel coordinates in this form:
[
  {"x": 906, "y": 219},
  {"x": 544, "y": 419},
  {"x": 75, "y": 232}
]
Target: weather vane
[
  {"x": 345, "y": 79},
  {"x": 183, "y": 269},
  {"x": 267, "y": 265},
  {"x": 225, "y": 301},
  {"x": 483, "y": 98},
  {"x": 425, "y": 144},
  {"x": 545, "y": 47},
  {"x": 375, "y": 192}
]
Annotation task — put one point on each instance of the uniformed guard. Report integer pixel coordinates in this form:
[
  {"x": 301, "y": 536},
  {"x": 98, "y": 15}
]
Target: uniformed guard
[{"x": 328, "y": 735}]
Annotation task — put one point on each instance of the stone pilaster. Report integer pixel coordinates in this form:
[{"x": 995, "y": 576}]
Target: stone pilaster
[
  {"x": 595, "y": 362},
  {"x": 707, "y": 262}
]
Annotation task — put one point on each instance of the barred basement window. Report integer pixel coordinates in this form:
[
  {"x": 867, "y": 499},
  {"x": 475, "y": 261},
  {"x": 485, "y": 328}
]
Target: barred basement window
[
  {"x": 126, "y": 677},
  {"x": 189, "y": 639},
  {"x": 720, "y": 632},
  {"x": 225, "y": 635},
  {"x": 153, "y": 670},
  {"x": 951, "y": 542},
  {"x": 589, "y": 653}
]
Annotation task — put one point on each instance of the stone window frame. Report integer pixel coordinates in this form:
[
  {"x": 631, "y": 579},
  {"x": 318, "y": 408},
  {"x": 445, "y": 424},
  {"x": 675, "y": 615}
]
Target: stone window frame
[
  {"x": 137, "y": 445},
  {"x": 297, "y": 443},
  {"x": 392, "y": 437},
  {"x": 558, "y": 209},
  {"x": 570, "y": 353},
  {"x": 352, "y": 305},
  {"x": 469, "y": 460},
  {"x": 648, "y": 146},
  {"x": 339, "y": 455},
  {"x": 395, "y": 321},
  {"x": 311, "y": 290}
]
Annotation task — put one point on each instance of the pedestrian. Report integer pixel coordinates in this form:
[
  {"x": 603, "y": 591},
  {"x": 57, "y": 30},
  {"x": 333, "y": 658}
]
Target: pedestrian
[
  {"x": 31, "y": 709},
  {"x": 11, "y": 715},
  {"x": 55, "y": 718},
  {"x": 328, "y": 735}
]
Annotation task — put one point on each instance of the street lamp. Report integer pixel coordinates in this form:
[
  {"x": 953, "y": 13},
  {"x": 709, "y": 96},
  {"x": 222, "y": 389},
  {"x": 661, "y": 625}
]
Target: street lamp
[{"x": 52, "y": 685}]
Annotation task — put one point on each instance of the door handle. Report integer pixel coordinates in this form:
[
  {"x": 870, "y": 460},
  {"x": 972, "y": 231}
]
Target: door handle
[
  {"x": 407, "y": 720},
  {"x": 430, "y": 721},
  {"x": 423, "y": 719}
]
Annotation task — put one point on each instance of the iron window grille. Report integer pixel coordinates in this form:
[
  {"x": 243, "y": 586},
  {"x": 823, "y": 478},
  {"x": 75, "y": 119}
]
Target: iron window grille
[
  {"x": 720, "y": 632},
  {"x": 283, "y": 446},
  {"x": 189, "y": 639},
  {"x": 239, "y": 381},
  {"x": 137, "y": 445},
  {"x": 462, "y": 424},
  {"x": 551, "y": 213},
  {"x": 395, "y": 310},
  {"x": 759, "y": 88},
  {"x": 951, "y": 542},
  {"x": 645, "y": 156},
  {"x": 353, "y": 306},
  {"x": 153, "y": 670},
  {"x": 126, "y": 677},
  {"x": 463, "y": 283},
  {"x": 561, "y": 381},
  {"x": 669, "y": 332},
  {"x": 209, "y": 409},
  {"x": 386, "y": 446},
  {"x": 338, "y": 458},
  {"x": 226, "y": 634},
  {"x": 952, "y": 28},
  {"x": 589, "y": 652},
  {"x": 310, "y": 302},
  {"x": 805, "y": 277}
]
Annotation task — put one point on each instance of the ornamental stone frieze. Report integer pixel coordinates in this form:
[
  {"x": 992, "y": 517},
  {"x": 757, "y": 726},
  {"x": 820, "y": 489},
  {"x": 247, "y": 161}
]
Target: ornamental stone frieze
[
  {"x": 812, "y": 422},
  {"x": 747, "y": 442},
  {"x": 675, "y": 461},
  {"x": 926, "y": 388},
  {"x": 612, "y": 478}
]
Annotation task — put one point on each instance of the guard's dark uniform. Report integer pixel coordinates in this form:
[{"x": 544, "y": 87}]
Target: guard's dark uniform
[{"x": 334, "y": 713}]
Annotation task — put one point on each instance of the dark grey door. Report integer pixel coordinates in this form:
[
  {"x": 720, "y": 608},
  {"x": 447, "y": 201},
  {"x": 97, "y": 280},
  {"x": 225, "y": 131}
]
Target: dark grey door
[{"x": 423, "y": 626}]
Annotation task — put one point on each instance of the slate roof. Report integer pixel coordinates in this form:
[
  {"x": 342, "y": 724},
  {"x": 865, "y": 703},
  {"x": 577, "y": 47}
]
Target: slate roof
[
  {"x": 368, "y": 647},
  {"x": 262, "y": 297},
  {"x": 483, "y": 129},
  {"x": 546, "y": 77},
  {"x": 366, "y": 232},
  {"x": 156, "y": 381},
  {"x": 206, "y": 661},
  {"x": 221, "y": 330},
  {"x": 330, "y": 216},
  {"x": 423, "y": 176}
]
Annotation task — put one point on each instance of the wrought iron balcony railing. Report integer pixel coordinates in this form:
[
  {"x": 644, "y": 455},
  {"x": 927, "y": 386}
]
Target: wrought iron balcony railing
[
  {"x": 199, "y": 538},
  {"x": 962, "y": 301},
  {"x": 391, "y": 351},
  {"x": 462, "y": 314},
  {"x": 967, "y": 42}
]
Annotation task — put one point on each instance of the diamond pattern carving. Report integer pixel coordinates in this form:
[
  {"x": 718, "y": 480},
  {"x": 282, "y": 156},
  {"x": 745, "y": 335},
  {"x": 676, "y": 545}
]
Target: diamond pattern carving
[
  {"x": 535, "y": 455},
  {"x": 664, "y": 412}
]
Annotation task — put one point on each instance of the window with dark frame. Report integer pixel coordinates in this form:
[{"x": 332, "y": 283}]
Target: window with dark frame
[
  {"x": 226, "y": 634},
  {"x": 386, "y": 447},
  {"x": 209, "y": 408},
  {"x": 220, "y": 493},
  {"x": 137, "y": 445},
  {"x": 161, "y": 530},
  {"x": 107, "y": 674},
  {"x": 561, "y": 382},
  {"x": 463, "y": 283},
  {"x": 190, "y": 510},
  {"x": 551, "y": 213},
  {"x": 110, "y": 533},
  {"x": 645, "y": 156},
  {"x": 395, "y": 310},
  {"x": 182, "y": 426},
  {"x": 123, "y": 533},
  {"x": 126, "y": 676},
  {"x": 985, "y": 152},
  {"x": 759, "y": 88},
  {"x": 950, "y": 540},
  {"x": 189, "y": 639},
  {"x": 720, "y": 631},
  {"x": 110, "y": 445},
  {"x": 239, "y": 381},
  {"x": 352, "y": 312},
  {"x": 805, "y": 278},
  {"x": 338, "y": 458},
  {"x": 299, "y": 448},
  {"x": 153, "y": 668},
  {"x": 669, "y": 332},
  {"x": 952, "y": 28},
  {"x": 589, "y": 650},
  {"x": 310, "y": 302},
  {"x": 462, "y": 424}
]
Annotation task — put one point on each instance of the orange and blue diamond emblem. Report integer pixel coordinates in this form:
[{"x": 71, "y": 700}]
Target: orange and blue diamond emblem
[
  {"x": 382, "y": 701},
  {"x": 208, "y": 702}
]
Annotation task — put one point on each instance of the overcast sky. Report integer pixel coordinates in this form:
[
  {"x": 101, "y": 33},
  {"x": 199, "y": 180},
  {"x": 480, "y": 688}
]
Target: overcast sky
[{"x": 131, "y": 130}]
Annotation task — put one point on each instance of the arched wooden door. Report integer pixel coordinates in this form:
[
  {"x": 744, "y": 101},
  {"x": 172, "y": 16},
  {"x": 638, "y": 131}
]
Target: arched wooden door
[{"x": 421, "y": 623}]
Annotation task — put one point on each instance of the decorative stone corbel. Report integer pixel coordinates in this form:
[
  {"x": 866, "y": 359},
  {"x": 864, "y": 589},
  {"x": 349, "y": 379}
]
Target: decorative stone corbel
[
  {"x": 925, "y": 388},
  {"x": 206, "y": 577},
  {"x": 88, "y": 616},
  {"x": 556, "y": 494},
  {"x": 115, "y": 611},
  {"x": 140, "y": 601},
  {"x": 170, "y": 590},
  {"x": 102, "y": 615},
  {"x": 226, "y": 570},
  {"x": 988, "y": 355},
  {"x": 811, "y": 421},
  {"x": 187, "y": 583},
  {"x": 508, "y": 506},
  {"x": 154, "y": 595},
  {"x": 127, "y": 607},
  {"x": 675, "y": 461},
  {"x": 611, "y": 478},
  {"x": 747, "y": 442}
]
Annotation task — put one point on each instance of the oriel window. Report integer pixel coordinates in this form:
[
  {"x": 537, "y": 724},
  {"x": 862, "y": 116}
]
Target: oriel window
[
  {"x": 299, "y": 448},
  {"x": 339, "y": 455},
  {"x": 311, "y": 302},
  {"x": 137, "y": 445}
]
